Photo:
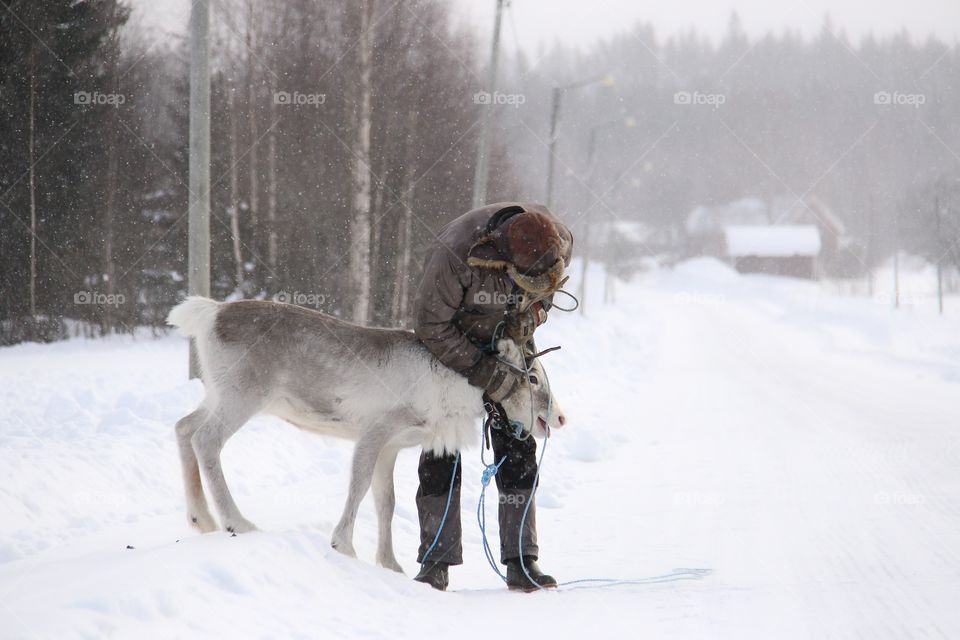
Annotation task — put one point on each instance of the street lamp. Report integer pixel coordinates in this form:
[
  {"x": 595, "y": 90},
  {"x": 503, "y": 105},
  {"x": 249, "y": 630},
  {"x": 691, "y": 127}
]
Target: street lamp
[
  {"x": 481, "y": 170},
  {"x": 605, "y": 80},
  {"x": 629, "y": 123}
]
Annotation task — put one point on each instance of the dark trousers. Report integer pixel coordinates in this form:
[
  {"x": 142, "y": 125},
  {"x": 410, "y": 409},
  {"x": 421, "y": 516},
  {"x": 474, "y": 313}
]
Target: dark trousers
[{"x": 514, "y": 483}]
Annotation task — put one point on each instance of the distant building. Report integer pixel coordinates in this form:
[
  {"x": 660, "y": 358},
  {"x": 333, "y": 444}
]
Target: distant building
[
  {"x": 785, "y": 236},
  {"x": 781, "y": 250}
]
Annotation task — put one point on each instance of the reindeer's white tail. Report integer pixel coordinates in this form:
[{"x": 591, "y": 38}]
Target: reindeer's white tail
[{"x": 194, "y": 317}]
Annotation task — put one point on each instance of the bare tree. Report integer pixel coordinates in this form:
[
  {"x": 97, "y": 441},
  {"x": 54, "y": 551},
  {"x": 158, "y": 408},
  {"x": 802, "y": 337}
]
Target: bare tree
[
  {"x": 360, "y": 219},
  {"x": 31, "y": 151},
  {"x": 234, "y": 204},
  {"x": 254, "y": 167},
  {"x": 113, "y": 162},
  {"x": 328, "y": 170},
  {"x": 272, "y": 182},
  {"x": 401, "y": 283}
]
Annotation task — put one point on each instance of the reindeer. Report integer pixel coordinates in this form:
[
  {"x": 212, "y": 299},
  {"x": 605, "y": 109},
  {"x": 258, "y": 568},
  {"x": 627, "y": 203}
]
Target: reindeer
[{"x": 379, "y": 387}]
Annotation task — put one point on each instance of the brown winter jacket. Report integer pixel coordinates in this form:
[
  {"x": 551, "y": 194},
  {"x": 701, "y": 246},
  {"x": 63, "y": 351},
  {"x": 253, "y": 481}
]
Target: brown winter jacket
[{"x": 458, "y": 306}]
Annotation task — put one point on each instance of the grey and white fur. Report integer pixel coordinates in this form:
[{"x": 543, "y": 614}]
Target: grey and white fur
[{"x": 379, "y": 387}]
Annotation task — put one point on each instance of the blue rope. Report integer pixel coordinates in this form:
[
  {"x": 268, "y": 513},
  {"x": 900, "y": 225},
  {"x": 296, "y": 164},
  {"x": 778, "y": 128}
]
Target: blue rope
[
  {"x": 536, "y": 476},
  {"x": 673, "y": 576},
  {"x": 491, "y": 470},
  {"x": 446, "y": 511},
  {"x": 583, "y": 583}
]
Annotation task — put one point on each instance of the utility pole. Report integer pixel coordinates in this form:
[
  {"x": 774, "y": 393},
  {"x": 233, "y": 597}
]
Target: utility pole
[
  {"x": 629, "y": 123},
  {"x": 896, "y": 278},
  {"x": 936, "y": 212},
  {"x": 198, "y": 243},
  {"x": 591, "y": 149},
  {"x": 871, "y": 250},
  {"x": 554, "y": 115},
  {"x": 481, "y": 170}
]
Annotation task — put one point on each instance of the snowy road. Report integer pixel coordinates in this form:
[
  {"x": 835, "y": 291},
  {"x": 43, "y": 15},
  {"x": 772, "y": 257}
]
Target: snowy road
[{"x": 803, "y": 448}]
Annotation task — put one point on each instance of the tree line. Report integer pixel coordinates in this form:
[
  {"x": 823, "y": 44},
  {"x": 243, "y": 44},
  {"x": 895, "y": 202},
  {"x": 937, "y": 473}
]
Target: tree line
[
  {"x": 868, "y": 127},
  {"x": 342, "y": 137}
]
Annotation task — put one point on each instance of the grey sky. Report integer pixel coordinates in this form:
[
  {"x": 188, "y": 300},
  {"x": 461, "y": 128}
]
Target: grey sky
[
  {"x": 584, "y": 22},
  {"x": 533, "y": 22}
]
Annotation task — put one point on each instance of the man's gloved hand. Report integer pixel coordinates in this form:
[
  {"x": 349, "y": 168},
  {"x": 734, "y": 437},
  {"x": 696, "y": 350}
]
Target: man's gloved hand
[
  {"x": 521, "y": 325},
  {"x": 494, "y": 377}
]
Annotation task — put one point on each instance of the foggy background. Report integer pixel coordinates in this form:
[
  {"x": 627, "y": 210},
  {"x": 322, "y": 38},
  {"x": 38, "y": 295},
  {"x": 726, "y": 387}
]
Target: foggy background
[
  {"x": 760, "y": 383},
  {"x": 686, "y": 120}
]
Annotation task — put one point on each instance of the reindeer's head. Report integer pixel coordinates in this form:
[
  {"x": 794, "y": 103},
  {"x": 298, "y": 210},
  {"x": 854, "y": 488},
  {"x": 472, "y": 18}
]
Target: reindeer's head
[{"x": 545, "y": 410}]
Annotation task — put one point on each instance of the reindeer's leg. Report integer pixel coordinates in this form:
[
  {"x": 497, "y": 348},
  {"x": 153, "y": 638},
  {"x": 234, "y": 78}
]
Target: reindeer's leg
[
  {"x": 385, "y": 499},
  {"x": 198, "y": 514},
  {"x": 369, "y": 445},
  {"x": 208, "y": 441}
]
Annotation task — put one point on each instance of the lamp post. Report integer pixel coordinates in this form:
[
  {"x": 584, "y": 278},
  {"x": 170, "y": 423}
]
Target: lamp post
[
  {"x": 629, "y": 123},
  {"x": 605, "y": 80},
  {"x": 482, "y": 168}
]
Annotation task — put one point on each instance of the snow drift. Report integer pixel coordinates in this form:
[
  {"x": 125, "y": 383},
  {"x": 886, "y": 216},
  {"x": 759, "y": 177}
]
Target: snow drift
[{"x": 801, "y": 446}]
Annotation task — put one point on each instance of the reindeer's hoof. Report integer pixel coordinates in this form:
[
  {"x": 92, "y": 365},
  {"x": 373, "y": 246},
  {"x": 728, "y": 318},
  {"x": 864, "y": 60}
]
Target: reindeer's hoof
[
  {"x": 392, "y": 565},
  {"x": 344, "y": 547},
  {"x": 203, "y": 522},
  {"x": 239, "y": 526}
]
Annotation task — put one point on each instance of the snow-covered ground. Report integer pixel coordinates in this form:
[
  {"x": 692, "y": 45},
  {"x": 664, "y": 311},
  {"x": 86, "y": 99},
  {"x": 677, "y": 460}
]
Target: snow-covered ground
[{"x": 802, "y": 447}]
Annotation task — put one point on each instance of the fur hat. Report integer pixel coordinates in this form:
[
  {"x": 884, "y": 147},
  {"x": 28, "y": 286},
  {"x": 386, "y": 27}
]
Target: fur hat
[
  {"x": 529, "y": 247},
  {"x": 532, "y": 242}
]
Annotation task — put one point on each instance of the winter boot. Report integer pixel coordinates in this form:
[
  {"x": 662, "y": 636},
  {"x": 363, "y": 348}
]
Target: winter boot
[
  {"x": 435, "y": 574},
  {"x": 517, "y": 579}
]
